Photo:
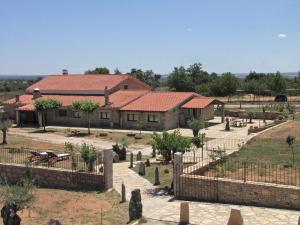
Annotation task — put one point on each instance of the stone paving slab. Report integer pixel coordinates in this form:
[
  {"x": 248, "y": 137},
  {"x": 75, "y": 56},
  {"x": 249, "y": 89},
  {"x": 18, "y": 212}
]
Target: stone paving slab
[{"x": 164, "y": 208}]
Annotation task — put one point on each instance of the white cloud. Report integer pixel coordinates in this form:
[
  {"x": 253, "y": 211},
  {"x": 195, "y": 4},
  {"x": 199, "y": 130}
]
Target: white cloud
[
  {"x": 188, "y": 29},
  {"x": 282, "y": 36}
]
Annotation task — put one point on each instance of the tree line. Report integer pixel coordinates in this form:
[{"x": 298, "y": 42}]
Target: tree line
[{"x": 195, "y": 78}]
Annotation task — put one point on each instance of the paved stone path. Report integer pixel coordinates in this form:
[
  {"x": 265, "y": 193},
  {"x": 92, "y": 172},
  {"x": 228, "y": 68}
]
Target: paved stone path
[{"x": 164, "y": 208}]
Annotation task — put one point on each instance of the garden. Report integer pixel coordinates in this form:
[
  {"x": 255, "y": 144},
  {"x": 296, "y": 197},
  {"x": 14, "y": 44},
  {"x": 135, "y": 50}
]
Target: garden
[{"x": 273, "y": 156}]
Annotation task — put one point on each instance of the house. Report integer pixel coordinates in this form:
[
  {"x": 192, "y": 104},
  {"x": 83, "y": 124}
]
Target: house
[{"x": 124, "y": 102}]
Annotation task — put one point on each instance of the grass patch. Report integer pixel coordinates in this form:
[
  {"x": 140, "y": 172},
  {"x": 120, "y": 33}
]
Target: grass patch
[
  {"x": 270, "y": 151},
  {"x": 165, "y": 178}
]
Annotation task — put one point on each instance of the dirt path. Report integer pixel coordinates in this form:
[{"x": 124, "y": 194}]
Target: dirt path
[{"x": 60, "y": 139}]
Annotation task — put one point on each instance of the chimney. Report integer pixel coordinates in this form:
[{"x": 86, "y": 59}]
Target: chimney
[
  {"x": 17, "y": 98},
  {"x": 134, "y": 75},
  {"x": 36, "y": 93},
  {"x": 106, "y": 96},
  {"x": 65, "y": 72}
]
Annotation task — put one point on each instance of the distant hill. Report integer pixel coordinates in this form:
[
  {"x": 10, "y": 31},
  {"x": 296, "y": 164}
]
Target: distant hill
[
  {"x": 286, "y": 74},
  {"x": 20, "y": 77}
]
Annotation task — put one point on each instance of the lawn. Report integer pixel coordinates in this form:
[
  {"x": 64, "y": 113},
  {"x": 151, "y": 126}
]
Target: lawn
[
  {"x": 165, "y": 178},
  {"x": 273, "y": 151},
  {"x": 74, "y": 208},
  {"x": 268, "y": 158},
  {"x": 271, "y": 147}
]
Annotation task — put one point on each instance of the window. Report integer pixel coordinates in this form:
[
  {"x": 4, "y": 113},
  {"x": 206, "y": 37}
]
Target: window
[
  {"x": 76, "y": 114},
  {"x": 132, "y": 117},
  {"x": 62, "y": 112},
  {"x": 125, "y": 87},
  {"x": 153, "y": 118},
  {"x": 104, "y": 115}
]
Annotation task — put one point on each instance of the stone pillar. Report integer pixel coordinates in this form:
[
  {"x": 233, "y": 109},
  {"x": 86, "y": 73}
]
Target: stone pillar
[
  {"x": 235, "y": 217},
  {"x": 123, "y": 193},
  {"x": 184, "y": 213},
  {"x": 108, "y": 168},
  {"x": 223, "y": 113},
  {"x": 18, "y": 118},
  {"x": 177, "y": 172},
  {"x": 156, "y": 182},
  {"x": 131, "y": 160},
  {"x": 40, "y": 118}
]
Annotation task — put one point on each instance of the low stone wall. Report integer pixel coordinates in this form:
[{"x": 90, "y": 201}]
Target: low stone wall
[
  {"x": 53, "y": 177},
  {"x": 257, "y": 115},
  {"x": 259, "y": 129},
  {"x": 238, "y": 192}
]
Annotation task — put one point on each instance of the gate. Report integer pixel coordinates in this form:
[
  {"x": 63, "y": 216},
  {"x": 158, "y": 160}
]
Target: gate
[{"x": 190, "y": 186}]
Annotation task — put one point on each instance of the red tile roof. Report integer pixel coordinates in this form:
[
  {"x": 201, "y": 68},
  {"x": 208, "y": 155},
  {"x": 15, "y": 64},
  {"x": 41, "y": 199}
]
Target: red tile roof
[
  {"x": 200, "y": 103},
  {"x": 158, "y": 101},
  {"x": 124, "y": 97},
  {"x": 28, "y": 107},
  {"x": 81, "y": 83},
  {"x": 118, "y": 99}
]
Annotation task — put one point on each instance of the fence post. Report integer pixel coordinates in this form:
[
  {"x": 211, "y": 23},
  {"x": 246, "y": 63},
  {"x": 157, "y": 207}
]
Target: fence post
[
  {"x": 245, "y": 172},
  {"x": 177, "y": 172},
  {"x": 108, "y": 168}
]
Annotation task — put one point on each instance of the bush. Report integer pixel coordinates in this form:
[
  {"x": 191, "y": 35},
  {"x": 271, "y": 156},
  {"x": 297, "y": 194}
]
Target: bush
[
  {"x": 89, "y": 155},
  {"x": 168, "y": 144}
]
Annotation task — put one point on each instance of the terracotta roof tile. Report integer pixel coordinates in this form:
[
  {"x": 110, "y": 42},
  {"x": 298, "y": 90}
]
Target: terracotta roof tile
[
  {"x": 118, "y": 99},
  {"x": 158, "y": 101},
  {"x": 81, "y": 83},
  {"x": 200, "y": 103},
  {"x": 124, "y": 97}
]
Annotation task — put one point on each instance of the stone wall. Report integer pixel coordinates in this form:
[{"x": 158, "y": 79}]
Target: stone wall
[
  {"x": 238, "y": 192},
  {"x": 257, "y": 115},
  {"x": 53, "y": 177}
]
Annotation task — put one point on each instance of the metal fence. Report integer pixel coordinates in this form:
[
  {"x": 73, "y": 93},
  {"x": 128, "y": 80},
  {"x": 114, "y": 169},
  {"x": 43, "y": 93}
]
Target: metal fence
[
  {"x": 52, "y": 159},
  {"x": 231, "y": 168}
]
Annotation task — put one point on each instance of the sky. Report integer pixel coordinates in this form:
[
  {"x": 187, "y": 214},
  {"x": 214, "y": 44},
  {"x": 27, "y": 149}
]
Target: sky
[{"x": 43, "y": 37}]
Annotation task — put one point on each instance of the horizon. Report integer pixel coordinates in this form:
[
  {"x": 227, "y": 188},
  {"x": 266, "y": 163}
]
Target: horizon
[{"x": 232, "y": 36}]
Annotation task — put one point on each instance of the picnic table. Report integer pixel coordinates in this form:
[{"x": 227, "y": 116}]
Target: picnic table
[{"x": 239, "y": 123}]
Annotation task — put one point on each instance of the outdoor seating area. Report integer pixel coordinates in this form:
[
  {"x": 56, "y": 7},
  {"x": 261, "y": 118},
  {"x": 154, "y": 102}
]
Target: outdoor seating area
[
  {"x": 238, "y": 123},
  {"x": 49, "y": 158}
]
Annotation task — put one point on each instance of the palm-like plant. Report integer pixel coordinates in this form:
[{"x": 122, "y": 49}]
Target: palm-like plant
[{"x": 4, "y": 125}]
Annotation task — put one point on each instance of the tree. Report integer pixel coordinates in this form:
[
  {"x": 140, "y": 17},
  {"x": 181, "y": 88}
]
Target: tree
[
  {"x": 4, "y": 125},
  {"x": 196, "y": 125},
  {"x": 148, "y": 76},
  {"x": 44, "y": 105},
  {"x": 15, "y": 198},
  {"x": 98, "y": 70},
  {"x": 86, "y": 106},
  {"x": 229, "y": 83},
  {"x": 168, "y": 144},
  {"x": 278, "y": 83},
  {"x": 89, "y": 155},
  {"x": 179, "y": 80},
  {"x": 290, "y": 140},
  {"x": 250, "y": 116},
  {"x": 117, "y": 71}
]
